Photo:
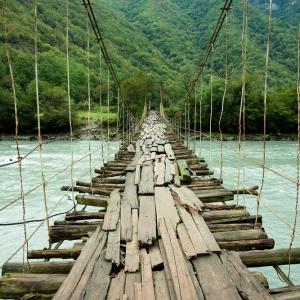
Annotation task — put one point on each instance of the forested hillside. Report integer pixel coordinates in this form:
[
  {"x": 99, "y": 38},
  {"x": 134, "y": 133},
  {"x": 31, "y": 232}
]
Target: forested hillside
[{"x": 149, "y": 41}]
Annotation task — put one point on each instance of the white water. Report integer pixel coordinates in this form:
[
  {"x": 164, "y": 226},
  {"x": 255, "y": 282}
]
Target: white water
[{"x": 279, "y": 193}]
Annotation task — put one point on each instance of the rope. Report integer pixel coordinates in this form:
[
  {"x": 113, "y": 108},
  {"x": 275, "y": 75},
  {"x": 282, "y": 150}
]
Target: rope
[
  {"x": 100, "y": 103},
  {"x": 211, "y": 115},
  {"x": 108, "y": 109},
  {"x": 200, "y": 119},
  {"x": 265, "y": 105},
  {"x": 69, "y": 102},
  {"x": 298, "y": 161},
  {"x": 189, "y": 123},
  {"x": 241, "y": 134},
  {"x": 38, "y": 114},
  {"x": 89, "y": 99},
  {"x": 14, "y": 96},
  {"x": 223, "y": 100},
  {"x": 195, "y": 116}
]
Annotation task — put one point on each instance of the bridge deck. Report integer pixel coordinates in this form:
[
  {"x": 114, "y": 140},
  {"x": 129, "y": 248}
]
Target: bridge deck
[{"x": 164, "y": 231}]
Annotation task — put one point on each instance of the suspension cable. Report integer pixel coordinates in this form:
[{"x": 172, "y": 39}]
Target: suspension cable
[
  {"x": 100, "y": 104},
  {"x": 265, "y": 106},
  {"x": 211, "y": 115},
  {"x": 195, "y": 116},
  {"x": 108, "y": 109},
  {"x": 39, "y": 115}
]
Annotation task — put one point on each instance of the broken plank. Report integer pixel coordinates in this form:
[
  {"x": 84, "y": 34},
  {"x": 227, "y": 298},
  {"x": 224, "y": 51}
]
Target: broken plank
[
  {"x": 186, "y": 243},
  {"x": 165, "y": 206},
  {"x": 113, "y": 210},
  {"x": 147, "y": 279},
  {"x": 117, "y": 286},
  {"x": 132, "y": 248},
  {"x": 130, "y": 192},
  {"x": 147, "y": 220},
  {"x": 113, "y": 245},
  {"x": 159, "y": 170},
  {"x": 169, "y": 152},
  {"x": 155, "y": 256}
]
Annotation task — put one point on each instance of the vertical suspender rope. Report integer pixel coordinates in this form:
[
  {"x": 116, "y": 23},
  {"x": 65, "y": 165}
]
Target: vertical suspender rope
[
  {"x": 200, "y": 119},
  {"x": 123, "y": 120},
  {"x": 108, "y": 108},
  {"x": 100, "y": 104},
  {"x": 14, "y": 96},
  {"x": 223, "y": 98},
  {"x": 118, "y": 112},
  {"x": 38, "y": 112},
  {"x": 195, "y": 117},
  {"x": 298, "y": 160},
  {"x": 265, "y": 110},
  {"x": 69, "y": 102},
  {"x": 189, "y": 123},
  {"x": 243, "y": 96},
  {"x": 211, "y": 115},
  {"x": 89, "y": 98},
  {"x": 185, "y": 121}
]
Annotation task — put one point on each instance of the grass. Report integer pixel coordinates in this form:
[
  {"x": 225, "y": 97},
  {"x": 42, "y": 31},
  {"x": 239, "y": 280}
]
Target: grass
[{"x": 96, "y": 115}]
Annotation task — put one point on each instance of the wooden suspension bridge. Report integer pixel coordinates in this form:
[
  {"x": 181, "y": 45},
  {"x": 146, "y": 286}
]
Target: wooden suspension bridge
[
  {"x": 163, "y": 231},
  {"x": 163, "y": 228}
]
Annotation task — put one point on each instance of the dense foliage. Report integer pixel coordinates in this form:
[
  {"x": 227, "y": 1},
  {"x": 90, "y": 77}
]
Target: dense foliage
[{"x": 149, "y": 43}]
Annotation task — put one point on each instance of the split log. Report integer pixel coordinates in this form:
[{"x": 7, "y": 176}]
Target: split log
[
  {"x": 224, "y": 214},
  {"x": 232, "y": 227},
  {"x": 17, "y": 285},
  {"x": 209, "y": 196},
  {"x": 109, "y": 180},
  {"x": 61, "y": 233},
  {"x": 251, "y": 190},
  {"x": 91, "y": 200},
  {"x": 248, "y": 245},
  {"x": 83, "y": 215},
  {"x": 251, "y": 234},
  {"x": 250, "y": 219},
  {"x": 75, "y": 223},
  {"x": 270, "y": 257},
  {"x": 38, "y": 267},
  {"x": 53, "y": 253}
]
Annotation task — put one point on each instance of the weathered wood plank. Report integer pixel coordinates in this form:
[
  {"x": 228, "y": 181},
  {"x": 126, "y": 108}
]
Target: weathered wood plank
[
  {"x": 193, "y": 232},
  {"x": 161, "y": 286},
  {"x": 147, "y": 279},
  {"x": 113, "y": 211},
  {"x": 169, "y": 152},
  {"x": 246, "y": 284},
  {"x": 187, "y": 198},
  {"x": 146, "y": 185},
  {"x": 214, "y": 279},
  {"x": 117, "y": 286},
  {"x": 147, "y": 220},
  {"x": 168, "y": 171},
  {"x": 183, "y": 170},
  {"x": 165, "y": 206},
  {"x": 131, "y": 278},
  {"x": 159, "y": 170},
  {"x": 132, "y": 248},
  {"x": 155, "y": 256},
  {"x": 210, "y": 240},
  {"x": 182, "y": 281},
  {"x": 113, "y": 245},
  {"x": 92, "y": 200},
  {"x": 186, "y": 243}
]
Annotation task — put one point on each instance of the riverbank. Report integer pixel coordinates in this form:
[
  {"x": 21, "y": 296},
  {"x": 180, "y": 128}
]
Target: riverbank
[{"x": 97, "y": 134}]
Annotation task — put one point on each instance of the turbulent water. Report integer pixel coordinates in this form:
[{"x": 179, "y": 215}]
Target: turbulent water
[{"x": 278, "y": 199}]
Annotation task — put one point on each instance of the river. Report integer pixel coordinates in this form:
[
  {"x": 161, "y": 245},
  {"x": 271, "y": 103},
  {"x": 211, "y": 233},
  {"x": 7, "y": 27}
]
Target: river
[{"x": 279, "y": 194}]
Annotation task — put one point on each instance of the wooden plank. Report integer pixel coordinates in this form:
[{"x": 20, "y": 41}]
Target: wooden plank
[
  {"x": 168, "y": 174},
  {"x": 159, "y": 170},
  {"x": 126, "y": 221},
  {"x": 183, "y": 170},
  {"x": 180, "y": 274},
  {"x": 130, "y": 192},
  {"x": 147, "y": 279},
  {"x": 155, "y": 256},
  {"x": 138, "y": 293},
  {"x": 245, "y": 282},
  {"x": 132, "y": 248},
  {"x": 195, "y": 281},
  {"x": 172, "y": 168},
  {"x": 186, "y": 243},
  {"x": 193, "y": 232},
  {"x": 147, "y": 220},
  {"x": 210, "y": 241},
  {"x": 165, "y": 206},
  {"x": 208, "y": 196},
  {"x": 169, "y": 152},
  {"x": 146, "y": 185},
  {"x": 67, "y": 288},
  {"x": 161, "y": 286},
  {"x": 113, "y": 210},
  {"x": 91, "y": 200},
  {"x": 138, "y": 170},
  {"x": 177, "y": 181},
  {"x": 99, "y": 283},
  {"x": 131, "y": 278},
  {"x": 214, "y": 279},
  {"x": 167, "y": 271},
  {"x": 113, "y": 246},
  {"x": 117, "y": 286},
  {"x": 187, "y": 198}
]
